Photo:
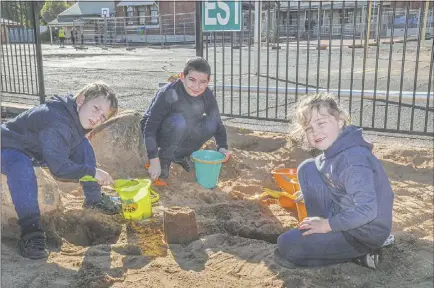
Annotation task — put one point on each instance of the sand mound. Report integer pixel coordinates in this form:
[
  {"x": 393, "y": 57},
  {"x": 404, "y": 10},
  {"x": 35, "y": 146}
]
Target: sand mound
[{"x": 237, "y": 235}]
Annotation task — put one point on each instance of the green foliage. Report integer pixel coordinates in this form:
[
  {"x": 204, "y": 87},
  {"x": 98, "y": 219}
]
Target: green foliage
[
  {"x": 17, "y": 11},
  {"x": 51, "y": 9}
]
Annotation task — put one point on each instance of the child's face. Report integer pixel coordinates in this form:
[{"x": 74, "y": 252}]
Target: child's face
[
  {"x": 195, "y": 82},
  {"x": 94, "y": 112},
  {"x": 323, "y": 129}
]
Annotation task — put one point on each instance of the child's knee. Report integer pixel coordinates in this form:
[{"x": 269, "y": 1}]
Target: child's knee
[{"x": 288, "y": 242}]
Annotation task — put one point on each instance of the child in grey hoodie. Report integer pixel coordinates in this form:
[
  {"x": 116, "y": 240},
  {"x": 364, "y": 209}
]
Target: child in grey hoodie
[{"x": 346, "y": 191}]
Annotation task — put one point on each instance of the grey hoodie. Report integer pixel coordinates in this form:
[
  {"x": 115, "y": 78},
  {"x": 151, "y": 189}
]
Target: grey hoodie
[
  {"x": 48, "y": 133},
  {"x": 361, "y": 192}
]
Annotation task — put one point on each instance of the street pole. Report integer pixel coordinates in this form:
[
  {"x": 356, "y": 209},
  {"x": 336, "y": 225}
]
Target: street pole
[
  {"x": 369, "y": 20},
  {"x": 199, "y": 34},
  {"x": 425, "y": 21}
]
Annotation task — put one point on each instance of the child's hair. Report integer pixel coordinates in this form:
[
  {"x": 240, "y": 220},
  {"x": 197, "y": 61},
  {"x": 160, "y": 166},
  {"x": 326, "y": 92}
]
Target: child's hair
[
  {"x": 303, "y": 114},
  {"x": 198, "y": 64},
  {"x": 97, "y": 89}
]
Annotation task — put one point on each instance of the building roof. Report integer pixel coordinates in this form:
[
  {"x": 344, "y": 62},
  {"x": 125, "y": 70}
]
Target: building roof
[
  {"x": 56, "y": 23},
  {"x": 85, "y": 8},
  {"x": 135, "y": 3}
]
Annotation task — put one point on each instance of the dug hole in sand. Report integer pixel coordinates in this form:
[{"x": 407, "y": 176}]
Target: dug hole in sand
[{"x": 237, "y": 235}]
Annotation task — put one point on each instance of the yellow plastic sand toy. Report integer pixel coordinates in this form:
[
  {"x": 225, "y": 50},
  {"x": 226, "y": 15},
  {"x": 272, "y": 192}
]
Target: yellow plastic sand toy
[{"x": 135, "y": 196}]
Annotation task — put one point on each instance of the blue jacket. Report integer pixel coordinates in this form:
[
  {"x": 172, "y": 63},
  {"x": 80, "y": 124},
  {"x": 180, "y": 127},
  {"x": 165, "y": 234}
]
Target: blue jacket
[
  {"x": 48, "y": 133},
  {"x": 360, "y": 190},
  {"x": 172, "y": 98}
]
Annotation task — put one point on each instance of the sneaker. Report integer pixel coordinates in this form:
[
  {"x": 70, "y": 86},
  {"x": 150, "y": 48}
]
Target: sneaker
[
  {"x": 106, "y": 205},
  {"x": 185, "y": 163},
  {"x": 389, "y": 241},
  {"x": 33, "y": 245},
  {"x": 370, "y": 260},
  {"x": 165, "y": 167}
]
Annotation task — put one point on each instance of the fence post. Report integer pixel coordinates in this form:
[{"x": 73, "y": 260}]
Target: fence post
[
  {"x": 161, "y": 29},
  {"x": 199, "y": 34},
  {"x": 257, "y": 33},
  {"x": 425, "y": 21},
  {"x": 35, "y": 15},
  {"x": 125, "y": 32}
]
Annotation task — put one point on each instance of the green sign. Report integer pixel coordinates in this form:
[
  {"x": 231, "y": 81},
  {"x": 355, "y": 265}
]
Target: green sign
[{"x": 221, "y": 16}]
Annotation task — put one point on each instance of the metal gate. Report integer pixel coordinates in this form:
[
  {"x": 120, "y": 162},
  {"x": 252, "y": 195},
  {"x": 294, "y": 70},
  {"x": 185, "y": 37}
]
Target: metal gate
[
  {"x": 376, "y": 57},
  {"x": 22, "y": 78}
]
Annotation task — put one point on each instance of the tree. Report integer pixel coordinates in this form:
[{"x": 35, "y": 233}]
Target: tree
[{"x": 51, "y": 9}]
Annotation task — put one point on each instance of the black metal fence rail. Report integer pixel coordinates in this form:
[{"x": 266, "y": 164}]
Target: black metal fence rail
[
  {"x": 21, "y": 57},
  {"x": 376, "y": 58}
]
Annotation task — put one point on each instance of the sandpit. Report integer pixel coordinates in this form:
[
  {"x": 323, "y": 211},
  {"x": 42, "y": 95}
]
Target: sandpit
[{"x": 237, "y": 236}]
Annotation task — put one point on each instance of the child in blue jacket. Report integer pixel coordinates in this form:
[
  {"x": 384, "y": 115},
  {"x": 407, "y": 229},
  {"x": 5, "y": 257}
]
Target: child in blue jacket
[
  {"x": 53, "y": 135},
  {"x": 346, "y": 191}
]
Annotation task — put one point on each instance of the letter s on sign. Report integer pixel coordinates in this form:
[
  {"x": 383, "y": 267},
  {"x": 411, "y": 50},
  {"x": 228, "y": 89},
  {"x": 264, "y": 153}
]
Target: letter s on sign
[{"x": 225, "y": 7}]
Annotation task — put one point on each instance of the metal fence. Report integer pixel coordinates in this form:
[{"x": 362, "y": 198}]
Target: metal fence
[
  {"x": 21, "y": 58},
  {"x": 382, "y": 77},
  {"x": 137, "y": 30}
]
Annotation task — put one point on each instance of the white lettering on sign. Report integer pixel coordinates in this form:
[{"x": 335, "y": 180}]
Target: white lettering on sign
[
  {"x": 209, "y": 20},
  {"x": 225, "y": 7}
]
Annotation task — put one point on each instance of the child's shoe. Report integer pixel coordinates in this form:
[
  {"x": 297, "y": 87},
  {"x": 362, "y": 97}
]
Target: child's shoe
[
  {"x": 106, "y": 205},
  {"x": 185, "y": 163},
  {"x": 370, "y": 260},
  {"x": 389, "y": 241},
  {"x": 33, "y": 245},
  {"x": 165, "y": 168}
]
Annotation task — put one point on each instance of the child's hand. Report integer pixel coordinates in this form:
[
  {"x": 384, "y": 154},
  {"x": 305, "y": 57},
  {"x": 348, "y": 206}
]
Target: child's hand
[
  {"x": 315, "y": 225},
  {"x": 299, "y": 196},
  {"x": 226, "y": 152},
  {"x": 104, "y": 179},
  {"x": 154, "y": 169}
]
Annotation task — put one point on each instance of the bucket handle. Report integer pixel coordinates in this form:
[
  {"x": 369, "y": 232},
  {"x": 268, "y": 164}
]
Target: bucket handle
[{"x": 207, "y": 162}]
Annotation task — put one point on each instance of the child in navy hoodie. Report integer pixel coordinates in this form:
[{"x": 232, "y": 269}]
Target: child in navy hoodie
[
  {"x": 182, "y": 116},
  {"x": 346, "y": 191},
  {"x": 53, "y": 135}
]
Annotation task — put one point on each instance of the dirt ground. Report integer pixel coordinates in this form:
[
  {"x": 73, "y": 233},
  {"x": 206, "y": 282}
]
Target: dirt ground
[{"x": 237, "y": 235}]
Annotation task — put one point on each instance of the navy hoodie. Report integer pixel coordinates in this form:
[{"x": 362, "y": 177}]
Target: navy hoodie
[
  {"x": 361, "y": 192},
  {"x": 48, "y": 133},
  {"x": 173, "y": 98}
]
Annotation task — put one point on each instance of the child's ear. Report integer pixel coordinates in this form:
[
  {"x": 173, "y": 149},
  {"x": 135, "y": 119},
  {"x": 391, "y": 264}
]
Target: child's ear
[
  {"x": 181, "y": 75},
  {"x": 80, "y": 101},
  {"x": 341, "y": 122}
]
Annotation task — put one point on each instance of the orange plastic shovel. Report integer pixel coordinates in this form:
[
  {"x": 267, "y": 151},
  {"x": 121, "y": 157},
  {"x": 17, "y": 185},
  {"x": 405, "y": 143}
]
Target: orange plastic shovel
[{"x": 157, "y": 182}]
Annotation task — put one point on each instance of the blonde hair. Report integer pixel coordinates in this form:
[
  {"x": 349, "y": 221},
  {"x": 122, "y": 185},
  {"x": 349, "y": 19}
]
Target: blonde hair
[
  {"x": 303, "y": 114},
  {"x": 98, "y": 89}
]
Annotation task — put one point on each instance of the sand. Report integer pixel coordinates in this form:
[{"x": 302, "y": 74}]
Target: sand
[{"x": 237, "y": 235}]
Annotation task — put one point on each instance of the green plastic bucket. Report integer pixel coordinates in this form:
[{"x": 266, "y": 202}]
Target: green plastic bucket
[{"x": 207, "y": 164}]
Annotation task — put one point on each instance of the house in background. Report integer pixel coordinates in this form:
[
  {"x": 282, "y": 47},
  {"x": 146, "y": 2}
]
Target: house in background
[
  {"x": 78, "y": 14},
  {"x": 132, "y": 21}
]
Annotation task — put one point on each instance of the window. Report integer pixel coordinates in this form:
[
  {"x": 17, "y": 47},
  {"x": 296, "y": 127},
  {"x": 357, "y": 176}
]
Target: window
[
  {"x": 154, "y": 15},
  {"x": 142, "y": 14},
  {"x": 130, "y": 13}
]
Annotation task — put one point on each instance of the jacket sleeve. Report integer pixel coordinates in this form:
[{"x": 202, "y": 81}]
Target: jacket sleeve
[
  {"x": 157, "y": 112},
  {"x": 212, "y": 110},
  {"x": 56, "y": 152},
  {"x": 358, "y": 181}
]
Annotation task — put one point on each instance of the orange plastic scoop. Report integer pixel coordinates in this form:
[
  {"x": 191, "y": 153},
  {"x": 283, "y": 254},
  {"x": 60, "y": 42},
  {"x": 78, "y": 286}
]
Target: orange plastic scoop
[{"x": 156, "y": 182}]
